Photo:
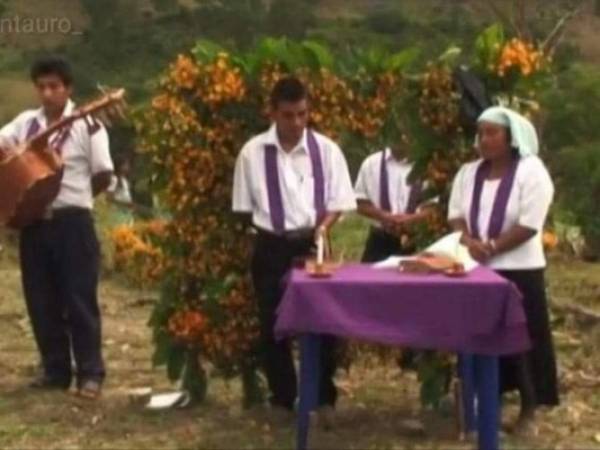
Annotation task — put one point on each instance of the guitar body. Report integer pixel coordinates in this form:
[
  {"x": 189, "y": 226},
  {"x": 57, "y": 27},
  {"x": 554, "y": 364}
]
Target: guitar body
[
  {"x": 29, "y": 182},
  {"x": 31, "y": 173}
]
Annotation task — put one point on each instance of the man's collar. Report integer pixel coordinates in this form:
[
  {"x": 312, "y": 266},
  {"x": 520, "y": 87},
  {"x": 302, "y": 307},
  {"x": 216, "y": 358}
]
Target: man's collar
[
  {"x": 273, "y": 139},
  {"x": 41, "y": 117}
]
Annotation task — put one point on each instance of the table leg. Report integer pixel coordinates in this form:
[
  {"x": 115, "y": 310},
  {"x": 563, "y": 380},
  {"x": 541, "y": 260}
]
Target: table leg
[
  {"x": 309, "y": 385},
  {"x": 467, "y": 376},
  {"x": 488, "y": 401}
]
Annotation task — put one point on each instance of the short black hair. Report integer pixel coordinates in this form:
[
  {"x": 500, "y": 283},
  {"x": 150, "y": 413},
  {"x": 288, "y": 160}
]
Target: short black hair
[
  {"x": 52, "y": 65},
  {"x": 288, "y": 89}
]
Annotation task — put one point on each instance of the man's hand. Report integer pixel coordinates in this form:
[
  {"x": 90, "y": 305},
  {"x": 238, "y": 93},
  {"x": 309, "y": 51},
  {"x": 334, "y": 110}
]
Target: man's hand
[
  {"x": 5, "y": 150},
  {"x": 394, "y": 223},
  {"x": 101, "y": 182}
]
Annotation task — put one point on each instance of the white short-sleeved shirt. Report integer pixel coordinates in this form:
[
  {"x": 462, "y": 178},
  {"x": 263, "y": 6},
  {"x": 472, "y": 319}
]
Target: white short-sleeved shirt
[
  {"x": 296, "y": 181},
  {"x": 84, "y": 155},
  {"x": 528, "y": 205},
  {"x": 368, "y": 182}
]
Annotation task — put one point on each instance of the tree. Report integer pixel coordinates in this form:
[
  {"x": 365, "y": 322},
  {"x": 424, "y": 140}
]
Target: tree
[
  {"x": 529, "y": 20},
  {"x": 573, "y": 138}
]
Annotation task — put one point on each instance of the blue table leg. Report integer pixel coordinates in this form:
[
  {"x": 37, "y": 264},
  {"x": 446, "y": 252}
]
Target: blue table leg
[
  {"x": 466, "y": 372},
  {"x": 309, "y": 385},
  {"x": 488, "y": 401}
]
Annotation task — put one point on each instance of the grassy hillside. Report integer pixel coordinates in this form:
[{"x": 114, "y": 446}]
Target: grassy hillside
[
  {"x": 127, "y": 42},
  {"x": 17, "y": 95}
]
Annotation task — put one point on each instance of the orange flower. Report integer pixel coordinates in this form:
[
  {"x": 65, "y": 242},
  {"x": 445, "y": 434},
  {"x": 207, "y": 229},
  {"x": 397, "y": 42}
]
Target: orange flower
[
  {"x": 186, "y": 325},
  {"x": 520, "y": 55},
  {"x": 550, "y": 240},
  {"x": 184, "y": 72}
]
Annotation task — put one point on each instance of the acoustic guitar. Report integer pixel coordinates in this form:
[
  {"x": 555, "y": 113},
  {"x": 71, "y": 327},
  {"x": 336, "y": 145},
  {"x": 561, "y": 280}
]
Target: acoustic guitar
[{"x": 31, "y": 173}]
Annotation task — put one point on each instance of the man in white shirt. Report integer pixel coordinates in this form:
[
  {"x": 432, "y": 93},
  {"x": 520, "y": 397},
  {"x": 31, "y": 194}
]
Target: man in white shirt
[
  {"x": 386, "y": 195},
  {"x": 293, "y": 184},
  {"x": 60, "y": 255}
]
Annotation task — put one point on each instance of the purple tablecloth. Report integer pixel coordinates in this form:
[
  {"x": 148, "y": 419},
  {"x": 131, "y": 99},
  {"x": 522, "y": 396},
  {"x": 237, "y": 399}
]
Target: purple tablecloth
[{"x": 480, "y": 313}]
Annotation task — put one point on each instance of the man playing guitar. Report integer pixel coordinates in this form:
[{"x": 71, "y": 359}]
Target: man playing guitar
[{"x": 60, "y": 254}]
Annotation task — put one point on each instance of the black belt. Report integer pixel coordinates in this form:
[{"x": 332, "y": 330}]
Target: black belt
[
  {"x": 66, "y": 212},
  {"x": 300, "y": 234}
]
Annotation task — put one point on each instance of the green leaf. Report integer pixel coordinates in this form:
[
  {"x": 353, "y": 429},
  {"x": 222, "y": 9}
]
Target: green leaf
[
  {"x": 433, "y": 374},
  {"x": 488, "y": 43},
  {"x": 293, "y": 56},
  {"x": 450, "y": 55},
  {"x": 272, "y": 50},
  {"x": 492, "y": 35},
  {"x": 319, "y": 53},
  {"x": 399, "y": 61},
  {"x": 206, "y": 50},
  {"x": 245, "y": 64},
  {"x": 375, "y": 58}
]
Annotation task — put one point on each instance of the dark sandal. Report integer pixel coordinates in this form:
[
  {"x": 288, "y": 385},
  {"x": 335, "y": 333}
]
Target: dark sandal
[{"x": 90, "y": 389}]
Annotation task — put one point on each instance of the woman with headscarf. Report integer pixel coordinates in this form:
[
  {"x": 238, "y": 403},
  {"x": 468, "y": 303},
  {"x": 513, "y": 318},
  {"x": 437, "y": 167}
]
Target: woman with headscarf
[{"x": 500, "y": 203}]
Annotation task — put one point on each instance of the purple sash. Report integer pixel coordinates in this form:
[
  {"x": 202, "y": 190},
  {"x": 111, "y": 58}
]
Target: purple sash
[
  {"x": 274, "y": 188},
  {"x": 60, "y": 139},
  {"x": 56, "y": 143},
  {"x": 92, "y": 124},
  {"x": 384, "y": 194},
  {"x": 34, "y": 127},
  {"x": 500, "y": 202}
]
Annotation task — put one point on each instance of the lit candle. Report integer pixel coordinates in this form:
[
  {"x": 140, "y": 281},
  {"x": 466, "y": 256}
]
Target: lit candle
[{"x": 320, "y": 249}]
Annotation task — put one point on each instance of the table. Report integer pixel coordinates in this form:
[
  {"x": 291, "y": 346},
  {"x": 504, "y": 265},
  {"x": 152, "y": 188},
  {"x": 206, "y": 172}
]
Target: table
[{"x": 479, "y": 316}]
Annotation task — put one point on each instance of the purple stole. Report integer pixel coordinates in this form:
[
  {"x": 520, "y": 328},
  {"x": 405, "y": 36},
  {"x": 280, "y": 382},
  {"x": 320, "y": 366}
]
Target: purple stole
[
  {"x": 274, "y": 188},
  {"x": 34, "y": 127},
  {"x": 384, "y": 194},
  {"x": 56, "y": 143},
  {"x": 500, "y": 202}
]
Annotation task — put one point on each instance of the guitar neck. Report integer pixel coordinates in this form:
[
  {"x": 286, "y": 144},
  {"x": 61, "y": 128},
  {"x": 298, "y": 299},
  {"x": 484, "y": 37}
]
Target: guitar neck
[
  {"x": 89, "y": 109},
  {"x": 62, "y": 123}
]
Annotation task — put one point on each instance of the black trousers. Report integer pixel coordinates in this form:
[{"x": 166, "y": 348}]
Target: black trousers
[
  {"x": 273, "y": 257},
  {"x": 381, "y": 245},
  {"x": 534, "y": 373},
  {"x": 60, "y": 262}
]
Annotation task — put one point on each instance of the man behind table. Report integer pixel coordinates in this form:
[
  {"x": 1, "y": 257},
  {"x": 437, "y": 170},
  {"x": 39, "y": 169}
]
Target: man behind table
[{"x": 294, "y": 183}]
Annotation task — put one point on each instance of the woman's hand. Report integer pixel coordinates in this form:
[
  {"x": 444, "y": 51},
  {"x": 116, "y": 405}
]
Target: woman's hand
[{"x": 480, "y": 251}]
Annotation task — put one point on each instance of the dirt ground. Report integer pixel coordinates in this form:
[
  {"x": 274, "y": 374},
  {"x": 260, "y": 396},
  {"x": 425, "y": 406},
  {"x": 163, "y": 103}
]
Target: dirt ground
[{"x": 377, "y": 399}]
